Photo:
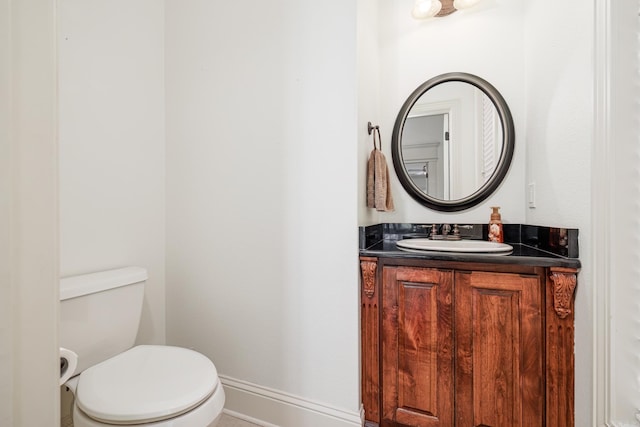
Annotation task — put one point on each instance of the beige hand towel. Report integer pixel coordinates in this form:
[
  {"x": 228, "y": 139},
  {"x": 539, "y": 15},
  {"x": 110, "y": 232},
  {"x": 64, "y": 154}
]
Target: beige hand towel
[{"x": 378, "y": 186}]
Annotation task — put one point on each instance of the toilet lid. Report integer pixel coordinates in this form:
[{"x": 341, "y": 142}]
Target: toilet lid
[{"x": 146, "y": 383}]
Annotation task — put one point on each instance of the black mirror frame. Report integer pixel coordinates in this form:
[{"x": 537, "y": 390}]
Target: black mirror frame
[{"x": 502, "y": 166}]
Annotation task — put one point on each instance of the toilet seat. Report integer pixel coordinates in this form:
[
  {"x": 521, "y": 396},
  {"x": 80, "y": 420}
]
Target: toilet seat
[
  {"x": 146, "y": 384},
  {"x": 207, "y": 414}
]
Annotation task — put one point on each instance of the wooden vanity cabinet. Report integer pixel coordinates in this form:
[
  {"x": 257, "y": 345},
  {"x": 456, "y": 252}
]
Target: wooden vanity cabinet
[{"x": 456, "y": 344}]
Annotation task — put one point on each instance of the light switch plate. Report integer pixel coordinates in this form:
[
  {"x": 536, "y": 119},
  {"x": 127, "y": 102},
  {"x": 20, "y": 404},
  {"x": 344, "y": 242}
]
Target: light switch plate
[{"x": 532, "y": 195}]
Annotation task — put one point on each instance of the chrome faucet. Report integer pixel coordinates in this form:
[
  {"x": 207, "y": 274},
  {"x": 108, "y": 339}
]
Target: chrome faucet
[{"x": 446, "y": 232}]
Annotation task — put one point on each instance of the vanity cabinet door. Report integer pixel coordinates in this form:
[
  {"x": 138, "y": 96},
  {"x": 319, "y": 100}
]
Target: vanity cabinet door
[
  {"x": 499, "y": 350},
  {"x": 417, "y": 347}
]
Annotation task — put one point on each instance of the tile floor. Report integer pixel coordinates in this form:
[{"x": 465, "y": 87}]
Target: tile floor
[{"x": 229, "y": 421}]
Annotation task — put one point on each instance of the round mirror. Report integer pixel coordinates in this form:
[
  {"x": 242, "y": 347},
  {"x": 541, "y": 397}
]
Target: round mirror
[{"x": 453, "y": 141}]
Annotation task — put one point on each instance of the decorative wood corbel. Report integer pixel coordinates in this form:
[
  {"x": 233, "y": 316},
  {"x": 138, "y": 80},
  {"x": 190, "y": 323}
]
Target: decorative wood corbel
[
  {"x": 368, "y": 269},
  {"x": 564, "y": 284}
]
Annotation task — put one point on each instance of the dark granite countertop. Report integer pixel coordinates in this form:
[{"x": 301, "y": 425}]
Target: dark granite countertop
[{"x": 532, "y": 245}]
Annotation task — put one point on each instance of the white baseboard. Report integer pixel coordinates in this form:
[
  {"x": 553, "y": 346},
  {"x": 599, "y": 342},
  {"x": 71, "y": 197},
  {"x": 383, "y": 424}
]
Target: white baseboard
[
  {"x": 268, "y": 407},
  {"x": 622, "y": 424}
]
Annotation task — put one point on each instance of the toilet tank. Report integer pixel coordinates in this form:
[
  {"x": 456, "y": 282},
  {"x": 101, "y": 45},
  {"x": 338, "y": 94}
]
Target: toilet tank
[{"x": 100, "y": 313}]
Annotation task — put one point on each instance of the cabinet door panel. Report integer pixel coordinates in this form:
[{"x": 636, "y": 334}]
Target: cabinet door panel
[
  {"x": 499, "y": 375},
  {"x": 417, "y": 347}
]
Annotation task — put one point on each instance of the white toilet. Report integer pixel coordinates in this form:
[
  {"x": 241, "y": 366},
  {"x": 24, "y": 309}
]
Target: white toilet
[{"x": 116, "y": 383}]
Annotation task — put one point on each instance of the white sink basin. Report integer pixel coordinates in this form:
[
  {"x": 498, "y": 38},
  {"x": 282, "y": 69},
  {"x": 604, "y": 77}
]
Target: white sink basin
[{"x": 461, "y": 246}]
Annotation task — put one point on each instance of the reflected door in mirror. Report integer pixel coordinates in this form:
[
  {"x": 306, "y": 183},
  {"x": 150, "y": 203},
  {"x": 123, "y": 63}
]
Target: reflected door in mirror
[{"x": 425, "y": 149}]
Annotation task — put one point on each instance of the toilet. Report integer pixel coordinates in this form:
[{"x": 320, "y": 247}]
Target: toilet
[{"x": 117, "y": 383}]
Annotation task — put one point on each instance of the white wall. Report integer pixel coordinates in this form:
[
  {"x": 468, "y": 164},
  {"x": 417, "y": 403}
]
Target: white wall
[
  {"x": 559, "y": 136},
  {"x": 559, "y": 85},
  {"x": 111, "y": 79},
  {"x": 485, "y": 41},
  {"x": 29, "y": 366},
  {"x": 262, "y": 271},
  {"x": 368, "y": 55}
]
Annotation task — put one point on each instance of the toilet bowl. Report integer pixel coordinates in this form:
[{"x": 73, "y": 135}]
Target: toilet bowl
[{"x": 122, "y": 384}]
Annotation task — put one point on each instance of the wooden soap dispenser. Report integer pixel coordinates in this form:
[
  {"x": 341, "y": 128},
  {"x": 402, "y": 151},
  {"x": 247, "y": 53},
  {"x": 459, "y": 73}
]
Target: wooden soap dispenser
[{"x": 495, "y": 226}]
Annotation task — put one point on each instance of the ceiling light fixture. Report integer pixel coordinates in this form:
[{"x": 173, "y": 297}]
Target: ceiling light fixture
[{"x": 424, "y": 9}]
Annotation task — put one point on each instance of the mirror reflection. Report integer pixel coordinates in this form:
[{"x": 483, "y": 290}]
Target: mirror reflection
[{"x": 451, "y": 141}]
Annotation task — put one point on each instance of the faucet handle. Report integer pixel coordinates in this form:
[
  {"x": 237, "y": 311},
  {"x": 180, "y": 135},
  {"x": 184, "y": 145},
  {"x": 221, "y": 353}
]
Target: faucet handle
[
  {"x": 453, "y": 236},
  {"x": 456, "y": 233},
  {"x": 434, "y": 233}
]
